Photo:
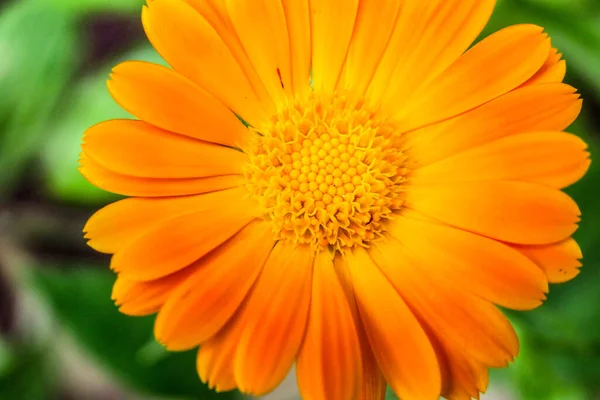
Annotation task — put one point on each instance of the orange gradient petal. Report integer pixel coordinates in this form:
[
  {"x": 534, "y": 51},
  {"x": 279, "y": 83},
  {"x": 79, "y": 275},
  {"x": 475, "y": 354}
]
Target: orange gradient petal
[
  {"x": 483, "y": 266},
  {"x": 115, "y": 225},
  {"x": 372, "y": 385},
  {"x": 138, "y": 149},
  {"x": 170, "y": 101},
  {"x": 549, "y": 107},
  {"x": 277, "y": 317},
  {"x": 553, "y": 70},
  {"x": 409, "y": 365},
  {"x": 559, "y": 261},
  {"x": 171, "y": 26},
  {"x": 470, "y": 323},
  {"x": 555, "y": 159},
  {"x": 329, "y": 363},
  {"x": 200, "y": 307},
  {"x": 509, "y": 57},
  {"x": 153, "y": 187},
  {"x": 515, "y": 212},
  {"x": 139, "y": 298},
  {"x": 177, "y": 242}
]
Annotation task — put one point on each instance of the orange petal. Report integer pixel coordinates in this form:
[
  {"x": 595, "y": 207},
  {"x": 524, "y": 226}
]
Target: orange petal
[
  {"x": 369, "y": 41},
  {"x": 409, "y": 365},
  {"x": 332, "y": 24},
  {"x": 372, "y": 385},
  {"x": 559, "y": 261},
  {"x": 482, "y": 266},
  {"x": 115, "y": 225},
  {"x": 553, "y": 70},
  {"x": 428, "y": 37},
  {"x": 171, "y": 26},
  {"x": 277, "y": 317},
  {"x": 138, "y": 149},
  {"x": 150, "y": 187},
  {"x": 262, "y": 30},
  {"x": 216, "y": 356},
  {"x": 549, "y": 107},
  {"x": 199, "y": 308},
  {"x": 465, "y": 378},
  {"x": 169, "y": 101},
  {"x": 329, "y": 362},
  {"x": 551, "y": 158},
  {"x": 509, "y": 57},
  {"x": 143, "y": 298},
  {"x": 515, "y": 212},
  {"x": 216, "y": 14},
  {"x": 472, "y": 324},
  {"x": 297, "y": 14},
  {"x": 177, "y": 242}
]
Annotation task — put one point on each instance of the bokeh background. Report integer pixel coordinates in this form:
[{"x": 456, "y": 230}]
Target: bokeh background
[{"x": 60, "y": 335}]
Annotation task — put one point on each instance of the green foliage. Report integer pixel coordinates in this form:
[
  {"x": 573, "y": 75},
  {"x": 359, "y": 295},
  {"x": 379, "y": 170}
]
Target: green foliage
[
  {"x": 25, "y": 373},
  {"x": 81, "y": 301},
  {"x": 33, "y": 75}
]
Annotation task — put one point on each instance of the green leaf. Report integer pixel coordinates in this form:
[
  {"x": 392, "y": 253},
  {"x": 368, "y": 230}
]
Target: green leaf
[
  {"x": 37, "y": 47},
  {"x": 96, "y": 6},
  {"x": 90, "y": 104},
  {"x": 28, "y": 375},
  {"x": 81, "y": 299}
]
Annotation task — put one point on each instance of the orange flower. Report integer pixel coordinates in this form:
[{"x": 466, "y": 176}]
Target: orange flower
[{"x": 387, "y": 190}]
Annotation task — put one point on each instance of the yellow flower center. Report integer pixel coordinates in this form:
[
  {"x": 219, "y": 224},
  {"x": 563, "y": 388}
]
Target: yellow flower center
[{"x": 327, "y": 172}]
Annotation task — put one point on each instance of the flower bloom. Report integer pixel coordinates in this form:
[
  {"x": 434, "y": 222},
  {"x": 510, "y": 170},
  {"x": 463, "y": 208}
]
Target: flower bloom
[{"x": 343, "y": 184}]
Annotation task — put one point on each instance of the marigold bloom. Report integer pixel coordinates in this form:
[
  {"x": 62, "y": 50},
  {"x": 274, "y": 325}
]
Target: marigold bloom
[{"x": 387, "y": 190}]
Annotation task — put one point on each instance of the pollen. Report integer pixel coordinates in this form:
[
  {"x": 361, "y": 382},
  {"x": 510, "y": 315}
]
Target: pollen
[{"x": 327, "y": 172}]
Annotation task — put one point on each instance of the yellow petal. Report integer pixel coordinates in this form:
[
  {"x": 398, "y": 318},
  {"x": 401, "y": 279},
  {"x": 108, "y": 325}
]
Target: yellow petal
[
  {"x": 177, "y": 242},
  {"x": 369, "y": 41},
  {"x": 332, "y": 24},
  {"x": 138, "y": 149},
  {"x": 555, "y": 159},
  {"x": 509, "y": 57},
  {"x": 549, "y": 107},
  {"x": 200, "y": 307},
  {"x": 559, "y": 261},
  {"x": 169, "y": 101},
  {"x": 409, "y": 365},
  {"x": 171, "y": 26},
  {"x": 278, "y": 312},
  {"x": 297, "y": 14},
  {"x": 482, "y": 266},
  {"x": 329, "y": 363},
  {"x": 428, "y": 37},
  {"x": 261, "y": 27},
  {"x": 515, "y": 212}
]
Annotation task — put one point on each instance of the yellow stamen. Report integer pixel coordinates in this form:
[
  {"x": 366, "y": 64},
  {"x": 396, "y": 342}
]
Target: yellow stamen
[{"x": 327, "y": 172}]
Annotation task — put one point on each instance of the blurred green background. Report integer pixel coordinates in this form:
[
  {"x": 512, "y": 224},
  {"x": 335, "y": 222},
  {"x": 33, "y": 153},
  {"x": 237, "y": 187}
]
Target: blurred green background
[{"x": 60, "y": 335}]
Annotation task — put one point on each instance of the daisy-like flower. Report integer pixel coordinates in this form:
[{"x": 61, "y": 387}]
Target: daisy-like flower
[{"x": 340, "y": 184}]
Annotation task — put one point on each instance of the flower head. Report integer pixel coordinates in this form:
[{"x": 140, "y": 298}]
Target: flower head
[{"x": 341, "y": 184}]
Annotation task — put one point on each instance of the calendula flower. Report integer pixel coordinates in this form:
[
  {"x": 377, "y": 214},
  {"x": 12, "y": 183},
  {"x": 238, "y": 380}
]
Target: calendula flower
[{"x": 340, "y": 184}]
